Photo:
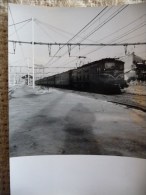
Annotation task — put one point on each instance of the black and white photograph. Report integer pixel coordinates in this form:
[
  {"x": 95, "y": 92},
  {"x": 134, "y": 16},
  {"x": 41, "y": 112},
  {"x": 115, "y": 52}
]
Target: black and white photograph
[{"x": 77, "y": 80}]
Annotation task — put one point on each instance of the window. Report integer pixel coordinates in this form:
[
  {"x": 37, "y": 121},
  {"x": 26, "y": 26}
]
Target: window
[{"x": 109, "y": 65}]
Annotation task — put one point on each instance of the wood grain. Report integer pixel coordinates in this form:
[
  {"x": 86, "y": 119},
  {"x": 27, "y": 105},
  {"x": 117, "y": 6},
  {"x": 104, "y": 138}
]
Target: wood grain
[{"x": 4, "y": 138}]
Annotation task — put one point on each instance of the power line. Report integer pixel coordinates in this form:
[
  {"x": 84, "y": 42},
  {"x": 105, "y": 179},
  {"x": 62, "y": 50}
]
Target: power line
[
  {"x": 20, "y": 28},
  {"x": 19, "y": 22},
  {"x": 40, "y": 25},
  {"x": 112, "y": 40},
  {"x": 120, "y": 29},
  {"x": 131, "y": 31},
  {"x": 44, "y": 31},
  {"x": 79, "y": 31},
  {"x": 79, "y": 44},
  {"x": 16, "y": 31},
  {"x": 12, "y": 66},
  {"x": 126, "y": 26},
  {"x": 134, "y": 36},
  {"x": 58, "y": 30},
  {"x": 87, "y": 24},
  {"x": 119, "y": 37},
  {"x": 105, "y": 22},
  {"x": 100, "y": 26},
  {"x": 83, "y": 29},
  {"x": 97, "y": 19}
]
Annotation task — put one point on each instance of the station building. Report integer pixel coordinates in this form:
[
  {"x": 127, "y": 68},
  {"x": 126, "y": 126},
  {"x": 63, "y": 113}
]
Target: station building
[{"x": 135, "y": 67}]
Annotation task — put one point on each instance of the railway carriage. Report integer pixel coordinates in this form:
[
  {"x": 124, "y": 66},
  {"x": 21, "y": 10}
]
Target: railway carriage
[
  {"x": 106, "y": 75},
  {"x": 62, "y": 80}
]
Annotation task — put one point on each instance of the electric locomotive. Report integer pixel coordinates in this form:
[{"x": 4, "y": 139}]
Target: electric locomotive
[{"x": 106, "y": 76}]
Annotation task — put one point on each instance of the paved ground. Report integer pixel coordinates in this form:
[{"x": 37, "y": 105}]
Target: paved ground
[{"x": 62, "y": 122}]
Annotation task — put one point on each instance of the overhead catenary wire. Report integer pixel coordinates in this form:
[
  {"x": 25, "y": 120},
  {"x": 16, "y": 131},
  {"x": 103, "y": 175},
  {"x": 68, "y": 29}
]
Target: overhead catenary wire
[
  {"x": 144, "y": 33},
  {"x": 67, "y": 63},
  {"x": 88, "y": 53},
  {"x": 49, "y": 47},
  {"x": 119, "y": 37},
  {"x": 44, "y": 31},
  {"x": 120, "y": 29},
  {"x": 132, "y": 30},
  {"x": 19, "y": 22},
  {"x": 83, "y": 29},
  {"x": 41, "y": 67},
  {"x": 105, "y": 22},
  {"x": 59, "y": 31},
  {"x": 123, "y": 28},
  {"x": 16, "y": 32},
  {"x": 86, "y": 27},
  {"x": 101, "y": 15},
  {"x": 79, "y": 32},
  {"x": 79, "y": 44},
  {"x": 19, "y": 28}
]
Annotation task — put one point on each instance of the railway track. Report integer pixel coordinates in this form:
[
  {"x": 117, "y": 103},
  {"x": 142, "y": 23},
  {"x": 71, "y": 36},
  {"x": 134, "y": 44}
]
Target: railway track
[
  {"x": 138, "y": 107},
  {"x": 129, "y": 100}
]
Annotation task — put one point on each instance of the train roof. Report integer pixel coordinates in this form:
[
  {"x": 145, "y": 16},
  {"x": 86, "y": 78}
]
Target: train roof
[
  {"x": 102, "y": 60},
  {"x": 91, "y": 63}
]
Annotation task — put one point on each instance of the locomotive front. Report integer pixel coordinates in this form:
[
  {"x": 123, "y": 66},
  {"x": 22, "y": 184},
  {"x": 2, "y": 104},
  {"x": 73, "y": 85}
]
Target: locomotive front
[{"x": 113, "y": 75}]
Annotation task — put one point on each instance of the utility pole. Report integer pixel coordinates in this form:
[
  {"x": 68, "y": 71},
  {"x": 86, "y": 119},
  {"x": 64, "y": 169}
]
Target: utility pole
[
  {"x": 28, "y": 70},
  {"x": 43, "y": 71},
  {"x": 14, "y": 79},
  {"x": 33, "y": 81}
]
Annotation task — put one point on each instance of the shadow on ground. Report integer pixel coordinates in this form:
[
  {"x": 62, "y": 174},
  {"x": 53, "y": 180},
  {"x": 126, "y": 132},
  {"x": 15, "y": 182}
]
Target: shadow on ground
[{"x": 79, "y": 137}]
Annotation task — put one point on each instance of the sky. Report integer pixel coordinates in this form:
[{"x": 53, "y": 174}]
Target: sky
[{"x": 61, "y": 24}]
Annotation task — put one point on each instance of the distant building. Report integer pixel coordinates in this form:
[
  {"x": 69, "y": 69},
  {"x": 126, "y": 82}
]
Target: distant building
[
  {"x": 141, "y": 71},
  {"x": 28, "y": 80},
  {"x": 135, "y": 67},
  {"x": 15, "y": 79}
]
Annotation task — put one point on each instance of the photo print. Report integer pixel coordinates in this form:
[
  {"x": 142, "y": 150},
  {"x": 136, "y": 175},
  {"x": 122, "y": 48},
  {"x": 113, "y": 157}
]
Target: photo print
[{"x": 77, "y": 80}]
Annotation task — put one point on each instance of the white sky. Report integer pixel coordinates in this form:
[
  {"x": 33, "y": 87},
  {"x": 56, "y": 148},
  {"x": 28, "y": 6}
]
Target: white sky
[{"x": 71, "y": 20}]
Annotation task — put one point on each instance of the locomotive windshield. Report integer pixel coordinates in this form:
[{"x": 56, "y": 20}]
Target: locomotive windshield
[
  {"x": 113, "y": 66},
  {"x": 109, "y": 65}
]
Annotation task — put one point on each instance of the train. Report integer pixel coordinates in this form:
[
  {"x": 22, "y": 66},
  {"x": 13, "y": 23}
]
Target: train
[{"x": 105, "y": 76}]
